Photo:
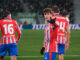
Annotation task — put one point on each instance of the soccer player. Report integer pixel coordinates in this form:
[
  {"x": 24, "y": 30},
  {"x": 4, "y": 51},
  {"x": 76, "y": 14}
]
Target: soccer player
[
  {"x": 50, "y": 40},
  {"x": 8, "y": 39},
  {"x": 63, "y": 28}
]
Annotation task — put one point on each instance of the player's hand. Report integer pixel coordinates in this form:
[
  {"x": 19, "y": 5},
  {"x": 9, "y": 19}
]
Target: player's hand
[
  {"x": 66, "y": 46},
  {"x": 42, "y": 50},
  {"x": 52, "y": 21}
]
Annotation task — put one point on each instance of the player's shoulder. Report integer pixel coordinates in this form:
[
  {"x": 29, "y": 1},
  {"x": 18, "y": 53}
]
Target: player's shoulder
[
  {"x": 67, "y": 19},
  {"x": 59, "y": 17},
  {"x": 1, "y": 20},
  {"x": 63, "y": 18},
  {"x": 14, "y": 21}
]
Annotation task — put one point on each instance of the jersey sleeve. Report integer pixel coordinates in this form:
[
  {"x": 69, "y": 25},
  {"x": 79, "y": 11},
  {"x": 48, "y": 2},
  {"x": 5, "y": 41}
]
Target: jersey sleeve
[
  {"x": 67, "y": 19},
  {"x": 67, "y": 22},
  {"x": 18, "y": 31}
]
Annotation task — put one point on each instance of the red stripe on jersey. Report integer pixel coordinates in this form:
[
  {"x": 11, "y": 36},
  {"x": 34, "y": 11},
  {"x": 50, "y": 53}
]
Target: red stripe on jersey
[
  {"x": 50, "y": 55},
  {"x": 4, "y": 40},
  {"x": 9, "y": 40},
  {"x": 61, "y": 39},
  {"x": 13, "y": 39}
]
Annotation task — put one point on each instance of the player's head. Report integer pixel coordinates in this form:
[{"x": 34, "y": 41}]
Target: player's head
[
  {"x": 55, "y": 9},
  {"x": 65, "y": 13},
  {"x": 4, "y": 14},
  {"x": 47, "y": 13}
]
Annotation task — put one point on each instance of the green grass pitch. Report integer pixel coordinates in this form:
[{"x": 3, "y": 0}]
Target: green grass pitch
[{"x": 31, "y": 43}]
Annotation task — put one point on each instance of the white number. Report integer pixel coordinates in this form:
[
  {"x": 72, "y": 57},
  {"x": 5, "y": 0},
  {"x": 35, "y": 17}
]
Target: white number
[
  {"x": 8, "y": 29},
  {"x": 62, "y": 25},
  {"x": 5, "y": 28}
]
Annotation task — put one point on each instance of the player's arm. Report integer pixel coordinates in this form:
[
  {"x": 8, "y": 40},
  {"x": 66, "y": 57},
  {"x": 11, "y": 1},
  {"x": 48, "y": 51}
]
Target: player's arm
[
  {"x": 67, "y": 36},
  {"x": 18, "y": 31},
  {"x": 44, "y": 43},
  {"x": 43, "y": 48}
]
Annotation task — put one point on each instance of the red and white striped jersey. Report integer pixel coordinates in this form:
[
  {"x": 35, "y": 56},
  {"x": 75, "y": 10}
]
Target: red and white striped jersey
[
  {"x": 8, "y": 27},
  {"x": 62, "y": 22},
  {"x": 51, "y": 38}
]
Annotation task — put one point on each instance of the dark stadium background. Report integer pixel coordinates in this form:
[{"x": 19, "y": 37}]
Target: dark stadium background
[{"x": 30, "y": 12}]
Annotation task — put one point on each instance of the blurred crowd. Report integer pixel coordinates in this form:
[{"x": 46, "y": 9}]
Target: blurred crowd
[
  {"x": 37, "y": 5},
  {"x": 11, "y": 5}
]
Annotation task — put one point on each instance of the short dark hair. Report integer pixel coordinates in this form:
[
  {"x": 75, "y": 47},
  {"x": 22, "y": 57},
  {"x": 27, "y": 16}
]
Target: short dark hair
[
  {"x": 47, "y": 10},
  {"x": 4, "y": 13},
  {"x": 64, "y": 13},
  {"x": 56, "y": 9}
]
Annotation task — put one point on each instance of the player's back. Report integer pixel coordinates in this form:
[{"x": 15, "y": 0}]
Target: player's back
[
  {"x": 7, "y": 27},
  {"x": 62, "y": 22}
]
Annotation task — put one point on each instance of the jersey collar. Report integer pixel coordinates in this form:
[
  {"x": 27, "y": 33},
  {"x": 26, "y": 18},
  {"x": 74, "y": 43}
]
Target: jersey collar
[
  {"x": 6, "y": 18},
  {"x": 57, "y": 14}
]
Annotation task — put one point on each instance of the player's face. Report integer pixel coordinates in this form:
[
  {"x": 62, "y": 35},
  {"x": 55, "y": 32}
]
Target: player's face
[
  {"x": 53, "y": 13},
  {"x": 68, "y": 15},
  {"x": 47, "y": 16}
]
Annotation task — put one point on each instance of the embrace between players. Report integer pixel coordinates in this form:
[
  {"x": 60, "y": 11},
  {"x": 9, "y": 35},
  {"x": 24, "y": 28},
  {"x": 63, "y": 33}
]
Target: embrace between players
[{"x": 57, "y": 34}]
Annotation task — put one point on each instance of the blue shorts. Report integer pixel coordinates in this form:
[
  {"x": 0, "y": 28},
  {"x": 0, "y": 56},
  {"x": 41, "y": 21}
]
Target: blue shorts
[
  {"x": 61, "y": 48},
  {"x": 50, "y": 56},
  {"x": 10, "y": 48}
]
